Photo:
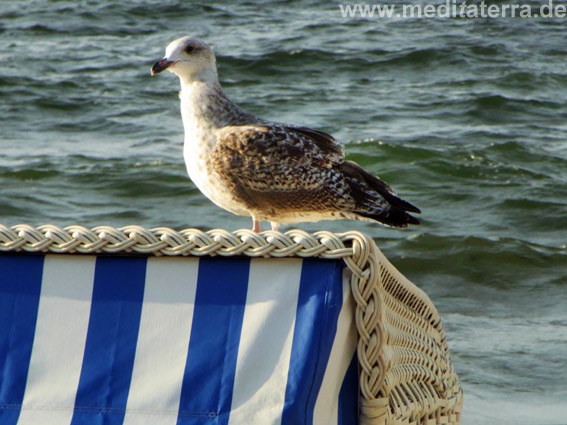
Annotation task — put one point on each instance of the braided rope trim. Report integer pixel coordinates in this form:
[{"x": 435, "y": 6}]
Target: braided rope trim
[
  {"x": 165, "y": 241},
  {"x": 355, "y": 248}
]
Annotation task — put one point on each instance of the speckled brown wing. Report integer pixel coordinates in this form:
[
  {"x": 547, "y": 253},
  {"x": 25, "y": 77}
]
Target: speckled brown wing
[{"x": 280, "y": 170}]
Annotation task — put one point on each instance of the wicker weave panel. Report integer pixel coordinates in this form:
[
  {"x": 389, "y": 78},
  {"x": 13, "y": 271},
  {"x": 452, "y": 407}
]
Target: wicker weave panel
[
  {"x": 420, "y": 385},
  {"x": 406, "y": 375}
]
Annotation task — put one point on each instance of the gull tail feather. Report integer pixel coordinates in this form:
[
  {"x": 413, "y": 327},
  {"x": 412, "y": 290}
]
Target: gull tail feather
[
  {"x": 394, "y": 217},
  {"x": 395, "y": 214}
]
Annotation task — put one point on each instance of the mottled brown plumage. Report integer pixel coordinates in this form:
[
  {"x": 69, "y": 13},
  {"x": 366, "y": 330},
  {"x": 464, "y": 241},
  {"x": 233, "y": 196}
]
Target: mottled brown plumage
[{"x": 270, "y": 171}]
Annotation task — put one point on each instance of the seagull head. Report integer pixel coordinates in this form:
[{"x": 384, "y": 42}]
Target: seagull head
[{"x": 189, "y": 58}]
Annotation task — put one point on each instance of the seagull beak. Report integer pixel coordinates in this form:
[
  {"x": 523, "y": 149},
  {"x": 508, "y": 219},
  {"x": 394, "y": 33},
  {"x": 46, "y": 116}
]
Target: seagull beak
[{"x": 160, "y": 66}]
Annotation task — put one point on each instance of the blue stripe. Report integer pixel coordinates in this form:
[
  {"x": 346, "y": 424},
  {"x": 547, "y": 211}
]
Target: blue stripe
[
  {"x": 319, "y": 305},
  {"x": 20, "y": 288},
  {"x": 111, "y": 341},
  {"x": 348, "y": 396},
  {"x": 206, "y": 394}
]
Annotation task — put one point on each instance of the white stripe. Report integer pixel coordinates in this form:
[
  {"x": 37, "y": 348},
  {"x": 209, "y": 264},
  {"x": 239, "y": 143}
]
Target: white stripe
[
  {"x": 344, "y": 346},
  {"x": 59, "y": 343},
  {"x": 265, "y": 345},
  {"x": 163, "y": 341}
]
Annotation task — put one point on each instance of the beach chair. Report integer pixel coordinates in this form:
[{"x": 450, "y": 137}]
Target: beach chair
[{"x": 137, "y": 326}]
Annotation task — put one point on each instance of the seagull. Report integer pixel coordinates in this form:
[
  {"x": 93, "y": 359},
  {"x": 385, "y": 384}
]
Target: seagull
[{"x": 267, "y": 170}]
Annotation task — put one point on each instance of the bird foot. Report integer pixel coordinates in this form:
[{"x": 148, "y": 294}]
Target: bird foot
[
  {"x": 275, "y": 226},
  {"x": 256, "y": 227}
]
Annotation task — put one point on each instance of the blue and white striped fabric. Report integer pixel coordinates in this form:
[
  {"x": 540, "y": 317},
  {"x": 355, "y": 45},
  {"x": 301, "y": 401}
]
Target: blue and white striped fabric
[{"x": 176, "y": 341}]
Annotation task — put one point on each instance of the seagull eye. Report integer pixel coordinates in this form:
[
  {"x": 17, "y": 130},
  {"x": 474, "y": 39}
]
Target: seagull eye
[{"x": 189, "y": 49}]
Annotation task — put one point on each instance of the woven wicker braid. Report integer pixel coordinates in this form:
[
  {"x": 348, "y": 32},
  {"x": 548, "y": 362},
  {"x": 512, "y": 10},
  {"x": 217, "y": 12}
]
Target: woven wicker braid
[{"x": 406, "y": 376}]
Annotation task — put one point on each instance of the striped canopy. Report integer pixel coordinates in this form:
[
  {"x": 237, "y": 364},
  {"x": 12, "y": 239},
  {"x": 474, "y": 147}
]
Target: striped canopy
[{"x": 148, "y": 340}]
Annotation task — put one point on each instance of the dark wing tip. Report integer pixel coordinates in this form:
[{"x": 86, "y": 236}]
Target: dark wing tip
[
  {"x": 395, "y": 217},
  {"x": 398, "y": 213},
  {"x": 405, "y": 205}
]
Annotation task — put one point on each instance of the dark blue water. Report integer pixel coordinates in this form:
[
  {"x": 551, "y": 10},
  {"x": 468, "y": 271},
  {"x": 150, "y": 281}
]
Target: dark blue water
[{"x": 465, "y": 118}]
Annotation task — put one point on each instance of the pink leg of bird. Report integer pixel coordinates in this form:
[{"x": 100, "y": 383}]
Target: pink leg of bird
[
  {"x": 256, "y": 225},
  {"x": 275, "y": 226}
]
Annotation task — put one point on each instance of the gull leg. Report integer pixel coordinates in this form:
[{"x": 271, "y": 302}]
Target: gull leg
[
  {"x": 256, "y": 225},
  {"x": 275, "y": 226}
]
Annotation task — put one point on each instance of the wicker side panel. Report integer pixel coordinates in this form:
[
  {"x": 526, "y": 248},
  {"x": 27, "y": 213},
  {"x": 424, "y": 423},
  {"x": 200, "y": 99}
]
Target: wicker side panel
[{"x": 419, "y": 383}]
